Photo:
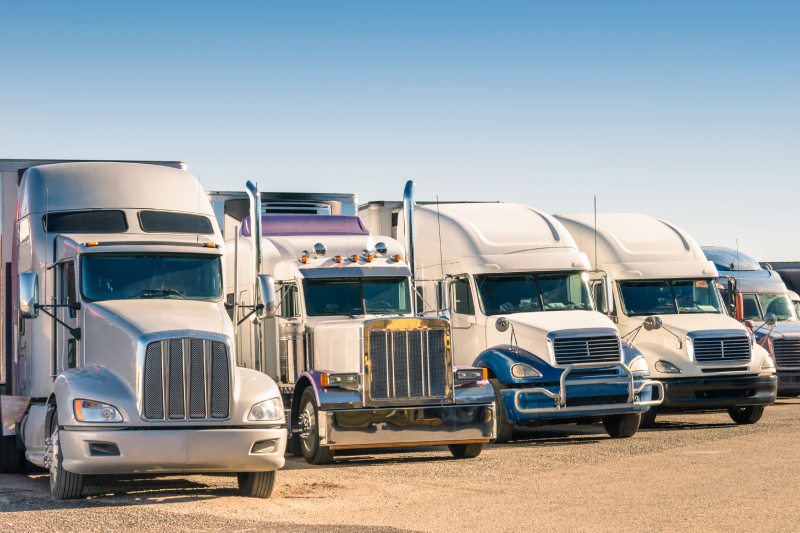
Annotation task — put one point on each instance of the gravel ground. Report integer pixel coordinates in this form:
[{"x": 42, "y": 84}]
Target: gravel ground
[{"x": 690, "y": 472}]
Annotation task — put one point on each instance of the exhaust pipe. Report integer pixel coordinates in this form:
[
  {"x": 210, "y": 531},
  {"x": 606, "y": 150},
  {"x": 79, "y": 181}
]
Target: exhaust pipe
[
  {"x": 255, "y": 224},
  {"x": 255, "y": 234},
  {"x": 408, "y": 216}
]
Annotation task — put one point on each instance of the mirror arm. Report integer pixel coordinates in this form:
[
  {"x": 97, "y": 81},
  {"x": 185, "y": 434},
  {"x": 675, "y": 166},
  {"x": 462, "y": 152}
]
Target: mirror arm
[
  {"x": 75, "y": 332},
  {"x": 254, "y": 309}
]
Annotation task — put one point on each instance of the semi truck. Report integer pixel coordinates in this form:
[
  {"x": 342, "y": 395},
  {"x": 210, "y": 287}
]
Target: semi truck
[
  {"x": 759, "y": 298},
  {"x": 120, "y": 353},
  {"x": 664, "y": 300},
  {"x": 515, "y": 286},
  {"x": 357, "y": 366}
]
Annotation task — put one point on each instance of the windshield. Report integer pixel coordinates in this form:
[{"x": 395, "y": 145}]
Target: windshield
[
  {"x": 356, "y": 296},
  {"x": 669, "y": 297},
  {"x": 522, "y": 293},
  {"x": 758, "y": 305},
  {"x": 128, "y": 276}
]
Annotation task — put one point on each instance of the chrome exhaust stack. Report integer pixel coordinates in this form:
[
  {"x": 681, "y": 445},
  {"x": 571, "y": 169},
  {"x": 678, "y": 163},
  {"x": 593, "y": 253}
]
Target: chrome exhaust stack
[
  {"x": 408, "y": 217},
  {"x": 255, "y": 224}
]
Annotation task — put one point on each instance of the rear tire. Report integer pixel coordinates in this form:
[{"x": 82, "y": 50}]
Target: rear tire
[
  {"x": 648, "y": 418},
  {"x": 622, "y": 426},
  {"x": 505, "y": 429},
  {"x": 465, "y": 451},
  {"x": 12, "y": 459},
  {"x": 64, "y": 485},
  {"x": 313, "y": 452},
  {"x": 256, "y": 484},
  {"x": 746, "y": 415}
]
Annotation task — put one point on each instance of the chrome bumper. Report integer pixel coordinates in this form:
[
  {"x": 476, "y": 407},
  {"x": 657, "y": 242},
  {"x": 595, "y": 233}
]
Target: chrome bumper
[
  {"x": 410, "y": 426},
  {"x": 174, "y": 450},
  {"x": 560, "y": 398}
]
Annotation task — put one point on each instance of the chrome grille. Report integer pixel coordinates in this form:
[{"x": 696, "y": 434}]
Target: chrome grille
[
  {"x": 594, "y": 349},
  {"x": 186, "y": 379},
  {"x": 787, "y": 352},
  {"x": 715, "y": 349},
  {"x": 408, "y": 364}
]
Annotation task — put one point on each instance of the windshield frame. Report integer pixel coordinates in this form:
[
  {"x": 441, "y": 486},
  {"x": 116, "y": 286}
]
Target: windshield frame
[
  {"x": 213, "y": 257},
  {"x": 361, "y": 281},
  {"x": 535, "y": 274},
  {"x": 721, "y": 307}
]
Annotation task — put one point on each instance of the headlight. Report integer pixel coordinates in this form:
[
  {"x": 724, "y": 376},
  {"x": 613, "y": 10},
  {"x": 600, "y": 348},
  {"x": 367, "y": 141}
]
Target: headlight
[
  {"x": 347, "y": 381},
  {"x": 639, "y": 364},
  {"x": 91, "y": 411},
  {"x": 267, "y": 411},
  {"x": 667, "y": 368},
  {"x": 521, "y": 370},
  {"x": 471, "y": 374},
  {"x": 767, "y": 365}
]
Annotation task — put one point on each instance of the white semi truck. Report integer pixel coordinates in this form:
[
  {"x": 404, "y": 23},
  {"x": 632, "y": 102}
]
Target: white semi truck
[
  {"x": 666, "y": 303},
  {"x": 516, "y": 287},
  {"x": 120, "y": 352},
  {"x": 326, "y": 309}
]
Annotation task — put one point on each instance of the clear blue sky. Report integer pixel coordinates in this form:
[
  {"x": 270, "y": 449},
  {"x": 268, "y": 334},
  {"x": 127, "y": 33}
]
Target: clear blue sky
[{"x": 687, "y": 110}]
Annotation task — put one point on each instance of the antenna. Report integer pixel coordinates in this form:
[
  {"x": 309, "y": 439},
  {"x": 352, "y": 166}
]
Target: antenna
[
  {"x": 595, "y": 230},
  {"x": 738, "y": 264}
]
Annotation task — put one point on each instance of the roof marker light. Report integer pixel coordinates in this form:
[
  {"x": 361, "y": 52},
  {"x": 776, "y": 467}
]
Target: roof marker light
[
  {"x": 304, "y": 257},
  {"x": 92, "y": 243},
  {"x": 370, "y": 258},
  {"x": 354, "y": 258},
  {"x": 338, "y": 258},
  {"x": 398, "y": 258}
]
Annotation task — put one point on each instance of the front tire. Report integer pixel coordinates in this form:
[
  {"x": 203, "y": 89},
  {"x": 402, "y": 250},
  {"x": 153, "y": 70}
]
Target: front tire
[
  {"x": 746, "y": 415},
  {"x": 256, "y": 484},
  {"x": 313, "y": 452},
  {"x": 64, "y": 485},
  {"x": 505, "y": 429},
  {"x": 465, "y": 451},
  {"x": 621, "y": 426},
  {"x": 648, "y": 418}
]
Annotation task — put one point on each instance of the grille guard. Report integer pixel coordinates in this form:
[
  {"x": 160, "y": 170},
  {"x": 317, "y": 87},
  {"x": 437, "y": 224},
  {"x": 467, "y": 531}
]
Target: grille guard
[{"x": 560, "y": 398}]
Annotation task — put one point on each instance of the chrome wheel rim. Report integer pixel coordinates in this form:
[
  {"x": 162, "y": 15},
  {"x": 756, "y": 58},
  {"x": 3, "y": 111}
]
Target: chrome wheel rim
[{"x": 308, "y": 426}]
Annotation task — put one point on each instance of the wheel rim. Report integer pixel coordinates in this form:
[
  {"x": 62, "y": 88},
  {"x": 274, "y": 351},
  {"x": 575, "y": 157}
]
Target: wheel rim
[{"x": 308, "y": 427}]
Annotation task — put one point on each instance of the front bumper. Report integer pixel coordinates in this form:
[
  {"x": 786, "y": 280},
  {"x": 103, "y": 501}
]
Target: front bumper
[
  {"x": 581, "y": 397},
  {"x": 719, "y": 392},
  {"x": 407, "y": 426},
  {"x": 788, "y": 382},
  {"x": 173, "y": 450}
]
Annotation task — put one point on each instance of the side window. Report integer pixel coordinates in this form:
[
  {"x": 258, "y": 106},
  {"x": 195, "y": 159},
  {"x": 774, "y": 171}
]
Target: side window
[
  {"x": 462, "y": 297},
  {"x": 289, "y": 301}
]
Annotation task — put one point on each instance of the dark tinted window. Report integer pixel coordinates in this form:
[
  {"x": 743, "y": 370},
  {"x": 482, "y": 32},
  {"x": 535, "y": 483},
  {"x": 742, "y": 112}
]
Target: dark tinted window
[
  {"x": 462, "y": 297},
  {"x": 85, "y": 222},
  {"x": 166, "y": 222}
]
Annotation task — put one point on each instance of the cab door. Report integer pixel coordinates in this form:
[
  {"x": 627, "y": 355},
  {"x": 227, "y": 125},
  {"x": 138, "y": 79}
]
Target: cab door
[
  {"x": 469, "y": 335},
  {"x": 67, "y": 346}
]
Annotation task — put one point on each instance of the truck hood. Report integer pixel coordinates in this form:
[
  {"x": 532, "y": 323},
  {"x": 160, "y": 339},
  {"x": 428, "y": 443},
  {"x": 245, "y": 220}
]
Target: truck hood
[
  {"x": 532, "y": 329},
  {"x": 683, "y": 324},
  {"x": 787, "y": 329},
  {"x": 113, "y": 329}
]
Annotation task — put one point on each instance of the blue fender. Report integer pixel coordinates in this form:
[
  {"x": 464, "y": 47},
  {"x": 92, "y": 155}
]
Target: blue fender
[{"x": 500, "y": 359}]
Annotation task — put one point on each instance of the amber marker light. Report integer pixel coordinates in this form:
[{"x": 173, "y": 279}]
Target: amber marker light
[
  {"x": 398, "y": 258},
  {"x": 323, "y": 380},
  {"x": 92, "y": 243},
  {"x": 354, "y": 258},
  {"x": 338, "y": 258},
  {"x": 370, "y": 258},
  {"x": 304, "y": 259}
]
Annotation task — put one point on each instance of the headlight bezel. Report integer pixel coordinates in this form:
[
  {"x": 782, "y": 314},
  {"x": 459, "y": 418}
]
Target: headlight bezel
[
  {"x": 665, "y": 367},
  {"x": 95, "y": 412},
  {"x": 639, "y": 361},
  {"x": 260, "y": 412},
  {"x": 524, "y": 371}
]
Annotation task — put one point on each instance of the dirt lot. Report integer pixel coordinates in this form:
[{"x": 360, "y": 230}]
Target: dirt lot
[{"x": 691, "y": 472}]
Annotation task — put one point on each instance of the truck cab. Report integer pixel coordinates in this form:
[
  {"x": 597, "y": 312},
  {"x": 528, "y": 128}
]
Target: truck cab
[
  {"x": 357, "y": 366},
  {"x": 516, "y": 288},
  {"x": 759, "y": 298},
  {"x": 123, "y": 356},
  {"x": 665, "y": 302}
]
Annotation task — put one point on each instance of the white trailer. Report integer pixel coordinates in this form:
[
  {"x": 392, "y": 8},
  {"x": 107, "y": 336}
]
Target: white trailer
[
  {"x": 357, "y": 367},
  {"x": 516, "y": 287},
  {"x": 120, "y": 351},
  {"x": 666, "y": 303}
]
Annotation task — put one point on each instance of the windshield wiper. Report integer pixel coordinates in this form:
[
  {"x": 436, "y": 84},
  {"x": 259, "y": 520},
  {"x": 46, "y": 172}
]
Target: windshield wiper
[{"x": 152, "y": 293}]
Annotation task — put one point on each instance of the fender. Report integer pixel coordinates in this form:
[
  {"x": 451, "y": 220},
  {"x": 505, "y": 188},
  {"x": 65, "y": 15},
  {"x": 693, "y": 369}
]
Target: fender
[
  {"x": 93, "y": 382},
  {"x": 330, "y": 398},
  {"x": 499, "y": 360}
]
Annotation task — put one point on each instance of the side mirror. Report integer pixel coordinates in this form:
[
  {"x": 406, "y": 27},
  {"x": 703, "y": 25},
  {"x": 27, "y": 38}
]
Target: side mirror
[
  {"x": 502, "y": 324},
  {"x": 652, "y": 322},
  {"x": 607, "y": 300},
  {"x": 443, "y": 295},
  {"x": 29, "y": 294},
  {"x": 738, "y": 306},
  {"x": 770, "y": 319},
  {"x": 266, "y": 292}
]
